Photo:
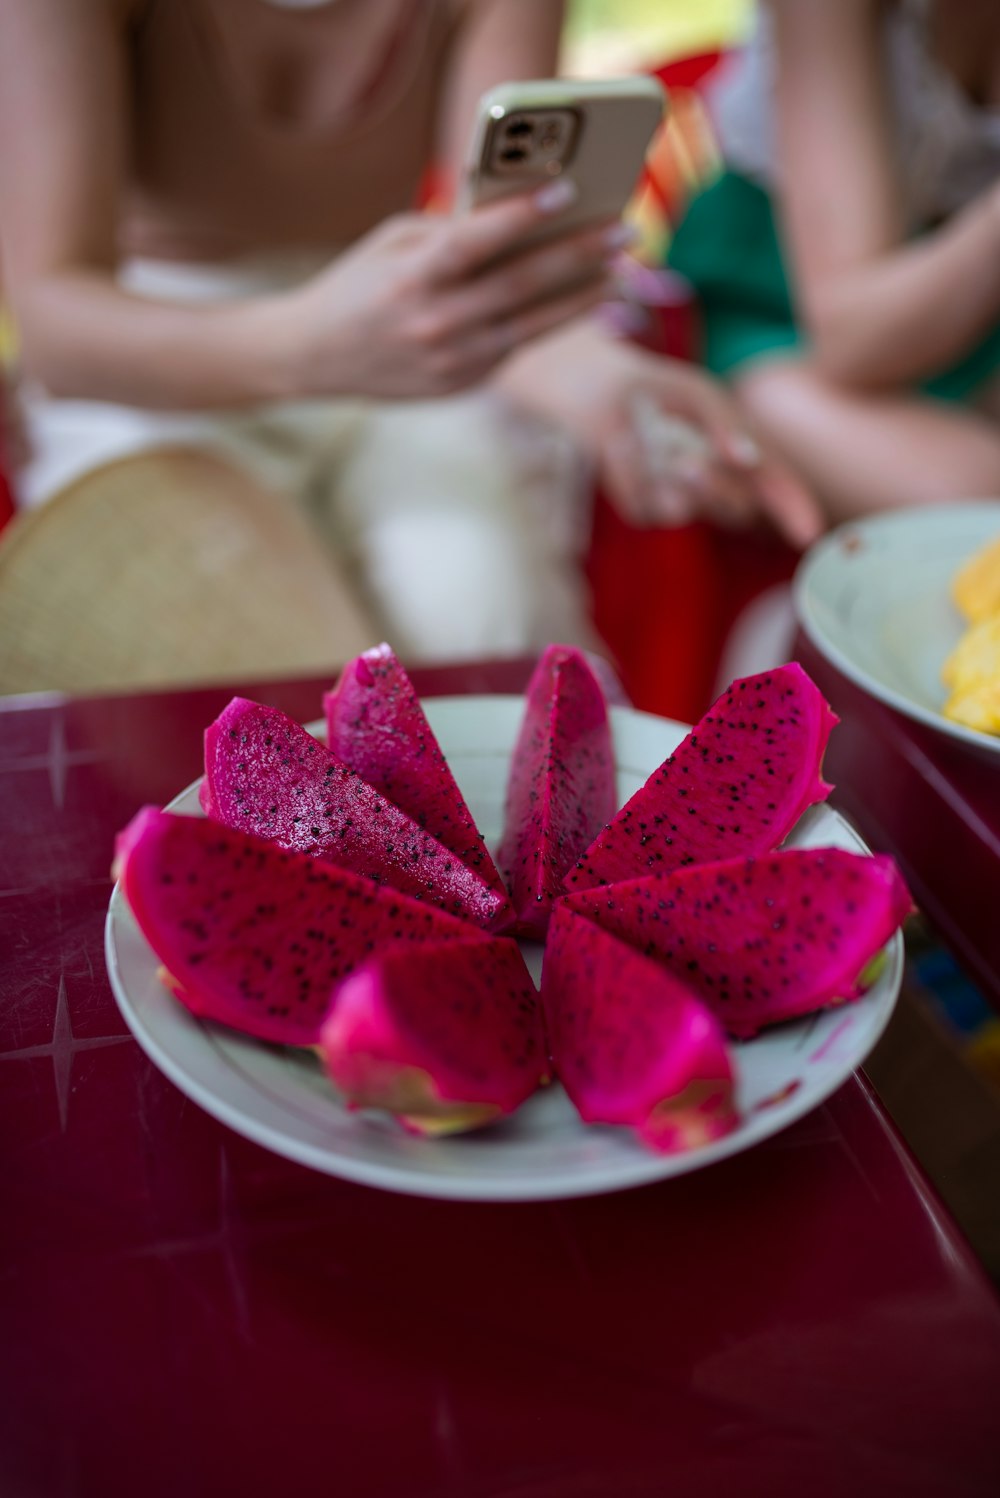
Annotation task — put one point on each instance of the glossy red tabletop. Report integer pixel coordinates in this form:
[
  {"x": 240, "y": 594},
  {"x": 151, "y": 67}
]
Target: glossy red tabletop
[
  {"x": 184, "y": 1315},
  {"x": 931, "y": 800}
]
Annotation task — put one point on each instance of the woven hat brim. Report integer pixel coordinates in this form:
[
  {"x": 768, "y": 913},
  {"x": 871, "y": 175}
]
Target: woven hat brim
[{"x": 165, "y": 568}]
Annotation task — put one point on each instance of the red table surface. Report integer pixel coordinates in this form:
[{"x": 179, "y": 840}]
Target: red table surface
[
  {"x": 183, "y": 1313},
  {"x": 931, "y": 800}
]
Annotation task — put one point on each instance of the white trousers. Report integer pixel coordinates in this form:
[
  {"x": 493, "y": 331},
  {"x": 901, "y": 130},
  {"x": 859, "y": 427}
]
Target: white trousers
[{"x": 459, "y": 525}]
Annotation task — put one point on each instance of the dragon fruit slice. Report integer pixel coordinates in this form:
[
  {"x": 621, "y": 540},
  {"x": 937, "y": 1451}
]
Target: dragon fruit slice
[
  {"x": 561, "y": 788},
  {"x": 266, "y": 774},
  {"x": 252, "y": 935},
  {"x": 447, "y": 1038},
  {"x": 376, "y": 725},
  {"x": 631, "y": 1043},
  {"x": 737, "y": 784},
  {"x": 760, "y": 940}
]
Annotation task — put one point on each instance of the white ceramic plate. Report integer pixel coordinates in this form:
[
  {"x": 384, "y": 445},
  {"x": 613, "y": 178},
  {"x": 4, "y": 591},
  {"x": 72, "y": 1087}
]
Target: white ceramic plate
[
  {"x": 874, "y": 599},
  {"x": 283, "y": 1100}
]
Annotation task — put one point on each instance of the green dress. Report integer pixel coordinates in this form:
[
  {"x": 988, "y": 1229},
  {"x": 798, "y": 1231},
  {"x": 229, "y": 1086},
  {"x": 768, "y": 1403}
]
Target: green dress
[{"x": 727, "y": 246}]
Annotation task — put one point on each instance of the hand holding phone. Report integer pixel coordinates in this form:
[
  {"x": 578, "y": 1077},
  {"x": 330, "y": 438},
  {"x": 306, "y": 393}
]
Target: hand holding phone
[
  {"x": 592, "y": 133},
  {"x": 425, "y": 304}
]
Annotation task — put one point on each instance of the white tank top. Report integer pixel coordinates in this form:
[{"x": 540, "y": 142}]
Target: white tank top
[{"x": 948, "y": 147}]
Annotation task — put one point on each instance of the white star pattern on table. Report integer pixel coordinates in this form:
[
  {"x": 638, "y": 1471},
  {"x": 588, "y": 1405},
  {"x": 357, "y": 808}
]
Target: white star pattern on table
[
  {"x": 62, "y": 1048},
  {"x": 57, "y": 760}
]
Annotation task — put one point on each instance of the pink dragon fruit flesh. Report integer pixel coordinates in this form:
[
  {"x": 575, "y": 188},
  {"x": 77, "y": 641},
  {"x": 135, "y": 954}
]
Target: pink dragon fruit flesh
[
  {"x": 737, "y": 784},
  {"x": 254, "y": 936},
  {"x": 630, "y": 1042},
  {"x": 561, "y": 788},
  {"x": 264, "y": 773},
  {"x": 375, "y": 724},
  {"x": 447, "y": 1038},
  {"x": 760, "y": 940}
]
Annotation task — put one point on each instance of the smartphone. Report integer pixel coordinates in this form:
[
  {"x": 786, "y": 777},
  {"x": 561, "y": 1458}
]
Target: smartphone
[{"x": 596, "y": 131}]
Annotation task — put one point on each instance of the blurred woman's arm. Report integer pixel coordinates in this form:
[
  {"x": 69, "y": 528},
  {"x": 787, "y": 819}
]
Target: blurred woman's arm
[
  {"x": 63, "y": 91},
  {"x": 669, "y": 443},
  {"x": 880, "y": 311},
  {"x": 414, "y": 308}
]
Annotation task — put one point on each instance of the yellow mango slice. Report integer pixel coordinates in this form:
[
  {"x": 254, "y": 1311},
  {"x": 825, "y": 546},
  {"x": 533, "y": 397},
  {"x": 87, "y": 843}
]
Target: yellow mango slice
[
  {"x": 978, "y": 708},
  {"x": 975, "y": 660},
  {"x": 975, "y": 589}
]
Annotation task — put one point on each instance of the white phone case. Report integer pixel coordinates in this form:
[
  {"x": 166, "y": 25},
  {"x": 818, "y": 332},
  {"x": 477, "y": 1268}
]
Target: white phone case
[{"x": 615, "y": 120}]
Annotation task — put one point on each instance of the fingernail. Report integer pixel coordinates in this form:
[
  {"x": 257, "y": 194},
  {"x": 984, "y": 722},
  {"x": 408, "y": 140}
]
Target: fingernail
[
  {"x": 690, "y": 472},
  {"x": 745, "y": 450},
  {"x": 673, "y": 508},
  {"x": 806, "y": 532},
  {"x": 555, "y": 195},
  {"x": 619, "y": 235}
]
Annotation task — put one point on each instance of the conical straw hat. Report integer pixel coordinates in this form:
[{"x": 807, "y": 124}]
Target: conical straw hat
[{"x": 166, "y": 568}]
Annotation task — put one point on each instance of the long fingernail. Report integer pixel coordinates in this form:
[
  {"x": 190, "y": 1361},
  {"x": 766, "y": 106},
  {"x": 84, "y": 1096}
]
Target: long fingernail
[
  {"x": 744, "y": 450},
  {"x": 690, "y": 472},
  {"x": 619, "y": 235},
  {"x": 672, "y": 508},
  {"x": 556, "y": 195},
  {"x": 804, "y": 532}
]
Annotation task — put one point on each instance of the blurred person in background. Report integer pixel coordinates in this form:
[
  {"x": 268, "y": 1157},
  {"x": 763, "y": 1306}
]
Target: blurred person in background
[
  {"x": 209, "y": 237},
  {"x": 847, "y": 262}
]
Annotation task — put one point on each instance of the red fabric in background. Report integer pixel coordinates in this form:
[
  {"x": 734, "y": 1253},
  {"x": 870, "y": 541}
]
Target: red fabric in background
[
  {"x": 688, "y": 72},
  {"x": 7, "y": 505},
  {"x": 666, "y": 600},
  {"x": 6, "y": 488},
  {"x": 6, "y": 499}
]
